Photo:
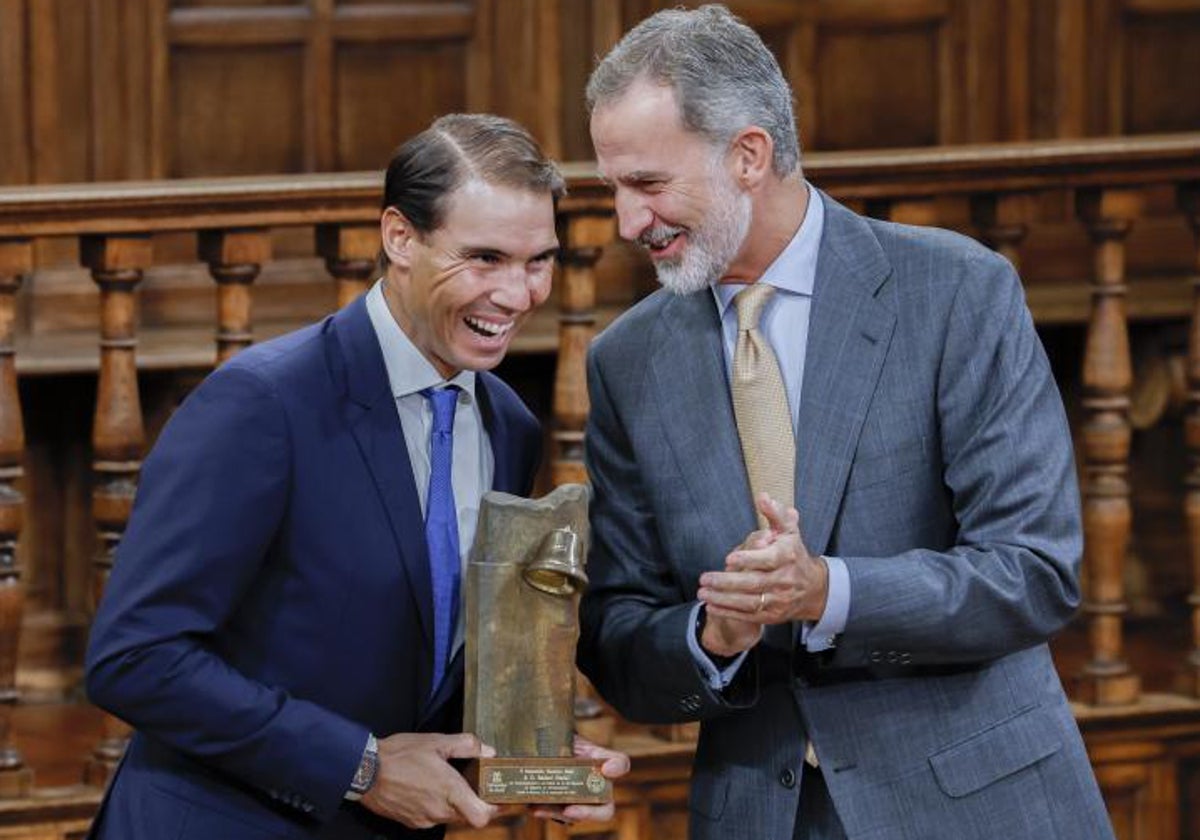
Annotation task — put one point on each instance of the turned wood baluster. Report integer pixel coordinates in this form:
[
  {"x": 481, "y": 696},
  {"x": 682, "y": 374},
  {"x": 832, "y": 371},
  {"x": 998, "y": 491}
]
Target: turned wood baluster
[
  {"x": 116, "y": 263},
  {"x": 921, "y": 210},
  {"x": 16, "y": 260},
  {"x": 583, "y": 234},
  {"x": 1189, "y": 200},
  {"x": 351, "y": 252},
  {"x": 234, "y": 259},
  {"x": 1002, "y": 219},
  {"x": 1108, "y": 215}
]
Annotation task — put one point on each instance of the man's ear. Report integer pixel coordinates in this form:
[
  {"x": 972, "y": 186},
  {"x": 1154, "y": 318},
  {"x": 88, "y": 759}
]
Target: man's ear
[
  {"x": 397, "y": 236},
  {"x": 752, "y": 151}
]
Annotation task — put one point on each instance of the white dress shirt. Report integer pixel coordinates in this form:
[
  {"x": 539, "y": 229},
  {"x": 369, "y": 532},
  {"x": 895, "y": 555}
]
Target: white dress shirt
[{"x": 409, "y": 372}]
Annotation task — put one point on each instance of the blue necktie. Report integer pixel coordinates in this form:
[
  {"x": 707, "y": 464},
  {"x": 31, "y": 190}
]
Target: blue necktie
[{"x": 441, "y": 527}]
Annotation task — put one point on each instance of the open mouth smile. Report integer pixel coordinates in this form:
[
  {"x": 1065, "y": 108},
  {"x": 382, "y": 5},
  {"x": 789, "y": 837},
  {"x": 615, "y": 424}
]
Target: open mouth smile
[{"x": 487, "y": 329}]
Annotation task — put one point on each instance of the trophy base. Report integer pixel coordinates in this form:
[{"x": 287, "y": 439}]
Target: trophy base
[{"x": 539, "y": 781}]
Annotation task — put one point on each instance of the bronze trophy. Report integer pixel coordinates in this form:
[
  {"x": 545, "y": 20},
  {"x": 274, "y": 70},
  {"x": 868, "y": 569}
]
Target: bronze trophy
[{"x": 522, "y": 588}]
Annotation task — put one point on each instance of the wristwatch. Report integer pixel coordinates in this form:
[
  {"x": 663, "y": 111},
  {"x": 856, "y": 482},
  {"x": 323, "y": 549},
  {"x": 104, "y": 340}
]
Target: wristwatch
[{"x": 364, "y": 776}]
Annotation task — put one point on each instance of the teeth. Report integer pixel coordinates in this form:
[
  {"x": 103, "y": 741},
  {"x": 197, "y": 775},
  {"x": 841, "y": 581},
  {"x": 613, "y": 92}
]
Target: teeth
[
  {"x": 487, "y": 326},
  {"x": 660, "y": 237}
]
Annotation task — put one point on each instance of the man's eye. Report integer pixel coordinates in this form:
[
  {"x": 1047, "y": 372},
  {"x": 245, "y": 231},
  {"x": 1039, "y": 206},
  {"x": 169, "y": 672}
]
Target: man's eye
[{"x": 487, "y": 259}]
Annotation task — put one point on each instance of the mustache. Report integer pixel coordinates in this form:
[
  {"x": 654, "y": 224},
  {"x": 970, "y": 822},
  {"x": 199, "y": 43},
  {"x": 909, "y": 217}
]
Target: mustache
[{"x": 656, "y": 237}]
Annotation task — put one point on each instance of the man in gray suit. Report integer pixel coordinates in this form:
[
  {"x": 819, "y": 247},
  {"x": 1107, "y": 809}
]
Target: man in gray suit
[{"x": 869, "y": 658}]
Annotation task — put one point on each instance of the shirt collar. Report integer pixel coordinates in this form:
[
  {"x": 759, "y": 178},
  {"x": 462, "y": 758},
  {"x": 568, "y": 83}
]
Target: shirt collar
[
  {"x": 408, "y": 370},
  {"x": 795, "y": 269}
]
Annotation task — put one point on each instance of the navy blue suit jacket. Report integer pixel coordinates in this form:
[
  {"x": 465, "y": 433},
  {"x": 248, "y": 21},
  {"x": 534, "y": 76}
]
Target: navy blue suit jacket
[{"x": 270, "y": 602}]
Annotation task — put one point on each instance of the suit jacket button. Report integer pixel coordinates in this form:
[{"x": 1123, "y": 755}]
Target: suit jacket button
[
  {"x": 876, "y": 656},
  {"x": 787, "y": 778}
]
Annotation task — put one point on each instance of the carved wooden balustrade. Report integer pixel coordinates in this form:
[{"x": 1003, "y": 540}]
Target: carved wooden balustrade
[{"x": 1026, "y": 200}]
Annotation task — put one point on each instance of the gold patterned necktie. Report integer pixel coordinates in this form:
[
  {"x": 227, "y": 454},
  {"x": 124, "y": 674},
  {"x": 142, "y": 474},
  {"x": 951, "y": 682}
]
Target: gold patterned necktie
[
  {"x": 764, "y": 420},
  {"x": 760, "y": 405}
]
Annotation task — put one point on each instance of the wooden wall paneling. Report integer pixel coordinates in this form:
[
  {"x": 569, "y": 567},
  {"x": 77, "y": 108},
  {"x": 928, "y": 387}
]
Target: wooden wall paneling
[
  {"x": 385, "y": 93},
  {"x": 983, "y": 34},
  {"x": 15, "y": 153},
  {"x": 1015, "y": 115},
  {"x": 1161, "y": 45},
  {"x": 881, "y": 70},
  {"x": 318, "y": 107},
  {"x": 120, "y": 88},
  {"x": 525, "y": 54},
  {"x": 158, "y": 57},
  {"x": 237, "y": 110},
  {"x": 1105, "y": 66},
  {"x": 588, "y": 30},
  {"x": 1057, "y": 62},
  {"x": 60, "y": 100},
  {"x": 238, "y": 88},
  {"x": 480, "y": 60},
  {"x": 953, "y": 85}
]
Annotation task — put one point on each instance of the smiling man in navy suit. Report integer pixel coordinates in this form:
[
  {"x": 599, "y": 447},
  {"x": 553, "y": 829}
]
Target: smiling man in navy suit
[{"x": 282, "y": 623}]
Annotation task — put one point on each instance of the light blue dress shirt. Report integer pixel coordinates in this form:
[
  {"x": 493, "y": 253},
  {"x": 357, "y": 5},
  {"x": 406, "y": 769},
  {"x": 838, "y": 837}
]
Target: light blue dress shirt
[
  {"x": 784, "y": 323},
  {"x": 409, "y": 373}
]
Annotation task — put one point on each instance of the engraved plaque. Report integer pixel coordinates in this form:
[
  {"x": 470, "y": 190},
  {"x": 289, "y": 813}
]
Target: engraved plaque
[{"x": 522, "y": 587}]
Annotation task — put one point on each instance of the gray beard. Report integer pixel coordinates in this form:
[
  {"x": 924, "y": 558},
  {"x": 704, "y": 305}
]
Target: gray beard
[{"x": 711, "y": 245}]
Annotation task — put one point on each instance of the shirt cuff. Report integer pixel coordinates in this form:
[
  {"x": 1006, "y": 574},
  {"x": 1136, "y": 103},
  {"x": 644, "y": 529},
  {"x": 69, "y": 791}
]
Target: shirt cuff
[
  {"x": 823, "y": 635},
  {"x": 716, "y": 678}
]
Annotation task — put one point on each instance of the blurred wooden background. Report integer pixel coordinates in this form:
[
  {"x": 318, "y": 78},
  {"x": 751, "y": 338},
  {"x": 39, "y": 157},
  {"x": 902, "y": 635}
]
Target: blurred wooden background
[{"x": 120, "y": 90}]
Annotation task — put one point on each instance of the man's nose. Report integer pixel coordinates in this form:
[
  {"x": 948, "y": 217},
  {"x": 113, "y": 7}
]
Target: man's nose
[
  {"x": 633, "y": 216},
  {"x": 521, "y": 290}
]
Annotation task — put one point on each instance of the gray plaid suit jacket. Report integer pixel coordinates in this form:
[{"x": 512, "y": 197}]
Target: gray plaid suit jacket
[{"x": 933, "y": 454}]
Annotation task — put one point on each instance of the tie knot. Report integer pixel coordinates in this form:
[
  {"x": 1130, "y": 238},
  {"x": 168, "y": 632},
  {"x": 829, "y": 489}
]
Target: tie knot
[
  {"x": 443, "y": 402},
  {"x": 750, "y": 302}
]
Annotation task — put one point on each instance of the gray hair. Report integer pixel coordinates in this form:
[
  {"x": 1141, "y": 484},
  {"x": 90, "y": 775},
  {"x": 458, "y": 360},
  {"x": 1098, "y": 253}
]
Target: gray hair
[{"x": 723, "y": 76}]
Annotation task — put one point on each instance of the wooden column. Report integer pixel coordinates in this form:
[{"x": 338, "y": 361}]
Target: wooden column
[
  {"x": 16, "y": 260},
  {"x": 1003, "y": 222},
  {"x": 1189, "y": 200},
  {"x": 234, "y": 259},
  {"x": 1108, "y": 215},
  {"x": 350, "y": 253},
  {"x": 920, "y": 210},
  {"x": 584, "y": 233},
  {"x": 116, "y": 263}
]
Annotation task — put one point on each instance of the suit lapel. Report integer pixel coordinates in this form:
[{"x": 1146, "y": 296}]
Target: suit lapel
[
  {"x": 371, "y": 415},
  {"x": 850, "y": 329},
  {"x": 495, "y": 424},
  {"x": 688, "y": 361}
]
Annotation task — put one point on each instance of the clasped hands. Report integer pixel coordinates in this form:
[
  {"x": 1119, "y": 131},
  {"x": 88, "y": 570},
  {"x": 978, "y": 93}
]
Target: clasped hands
[
  {"x": 769, "y": 579},
  {"x": 416, "y": 785}
]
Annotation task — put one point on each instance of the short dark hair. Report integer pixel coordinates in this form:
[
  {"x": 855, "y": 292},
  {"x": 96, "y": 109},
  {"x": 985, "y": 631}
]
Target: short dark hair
[{"x": 458, "y": 147}]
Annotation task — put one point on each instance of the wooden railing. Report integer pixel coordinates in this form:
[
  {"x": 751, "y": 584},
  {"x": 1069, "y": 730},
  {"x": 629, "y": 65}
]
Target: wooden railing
[{"x": 1097, "y": 190}]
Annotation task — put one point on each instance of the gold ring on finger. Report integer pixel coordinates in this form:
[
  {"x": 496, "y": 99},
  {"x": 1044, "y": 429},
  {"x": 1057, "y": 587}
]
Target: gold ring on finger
[{"x": 762, "y": 601}]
